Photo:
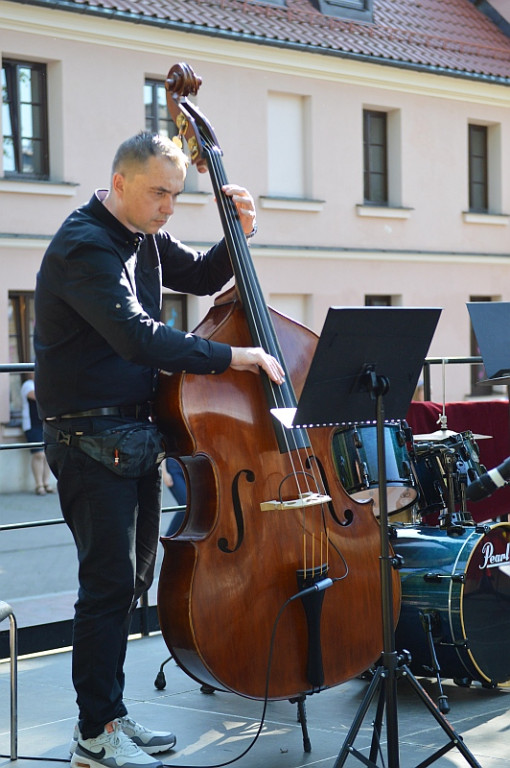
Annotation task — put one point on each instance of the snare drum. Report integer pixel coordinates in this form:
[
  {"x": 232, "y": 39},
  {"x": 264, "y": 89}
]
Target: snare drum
[
  {"x": 462, "y": 584},
  {"x": 429, "y": 467},
  {"x": 355, "y": 456}
]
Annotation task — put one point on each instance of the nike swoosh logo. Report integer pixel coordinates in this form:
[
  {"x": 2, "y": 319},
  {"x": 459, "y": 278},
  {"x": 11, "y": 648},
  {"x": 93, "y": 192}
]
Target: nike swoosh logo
[{"x": 89, "y": 753}]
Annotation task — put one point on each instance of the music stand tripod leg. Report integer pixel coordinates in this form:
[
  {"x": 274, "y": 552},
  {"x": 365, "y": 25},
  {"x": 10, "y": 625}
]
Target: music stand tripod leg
[
  {"x": 392, "y": 664},
  {"x": 455, "y": 738},
  {"x": 348, "y": 745}
]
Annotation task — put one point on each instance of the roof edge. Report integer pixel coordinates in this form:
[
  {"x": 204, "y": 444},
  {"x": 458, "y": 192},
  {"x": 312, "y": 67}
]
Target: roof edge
[
  {"x": 135, "y": 18},
  {"x": 485, "y": 7}
]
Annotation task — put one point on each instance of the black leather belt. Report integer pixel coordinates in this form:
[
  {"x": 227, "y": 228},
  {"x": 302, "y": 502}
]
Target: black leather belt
[{"x": 142, "y": 411}]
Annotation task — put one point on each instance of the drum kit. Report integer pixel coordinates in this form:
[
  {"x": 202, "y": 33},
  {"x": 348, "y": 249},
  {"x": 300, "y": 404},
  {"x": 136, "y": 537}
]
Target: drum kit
[{"x": 455, "y": 574}]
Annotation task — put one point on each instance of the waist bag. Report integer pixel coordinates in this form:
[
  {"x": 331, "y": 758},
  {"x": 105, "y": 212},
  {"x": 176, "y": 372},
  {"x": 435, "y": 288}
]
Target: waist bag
[{"x": 129, "y": 450}]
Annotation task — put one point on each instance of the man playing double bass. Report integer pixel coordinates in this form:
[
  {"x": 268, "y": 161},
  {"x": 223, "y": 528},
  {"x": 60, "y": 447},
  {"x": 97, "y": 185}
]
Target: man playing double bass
[{"x": 99, "y": 346}]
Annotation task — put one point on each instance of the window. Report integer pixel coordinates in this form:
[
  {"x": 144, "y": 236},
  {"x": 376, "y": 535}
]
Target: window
[
  {"x": 288, "y": 172},
  {"x": 24, "y": 120},
  {"x": 375, "y": 157},
  {"x": 157, "y": 116},
  {"x": 360, "y": 10},
  {"x": 158, "y": 120},
  {"x": 373, "y": 300},
  {"x": 478, "y": 168},
  {"x": 21, "y": 344}
]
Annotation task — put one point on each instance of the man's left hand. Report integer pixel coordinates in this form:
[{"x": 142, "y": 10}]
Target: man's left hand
[{"x": 245, "y": 206}]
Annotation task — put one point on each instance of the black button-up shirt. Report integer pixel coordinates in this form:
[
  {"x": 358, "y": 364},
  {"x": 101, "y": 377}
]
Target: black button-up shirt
[{"x": 98, "y": 338}]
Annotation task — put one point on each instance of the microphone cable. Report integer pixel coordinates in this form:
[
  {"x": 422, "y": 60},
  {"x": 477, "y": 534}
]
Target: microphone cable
[{"x": 318, "y": 587}]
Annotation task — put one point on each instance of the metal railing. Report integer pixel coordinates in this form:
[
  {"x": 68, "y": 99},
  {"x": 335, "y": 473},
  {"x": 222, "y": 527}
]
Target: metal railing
[
  {"x": 58, "y": 634},
  {"x": 54, "y": 635},
  {"x": 472, "y": 360}
]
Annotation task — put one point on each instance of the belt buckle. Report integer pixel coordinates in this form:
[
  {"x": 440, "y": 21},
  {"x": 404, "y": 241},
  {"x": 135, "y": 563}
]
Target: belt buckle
[{"x": 64, "y": 437}]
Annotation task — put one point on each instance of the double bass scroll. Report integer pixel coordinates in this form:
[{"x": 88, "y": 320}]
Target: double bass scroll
[{"x": 267, "y": 517}]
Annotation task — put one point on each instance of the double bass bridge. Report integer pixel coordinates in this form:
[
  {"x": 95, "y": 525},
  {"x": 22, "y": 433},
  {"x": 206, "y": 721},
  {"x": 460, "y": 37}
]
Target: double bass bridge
[{"x": 307, "y": 499}]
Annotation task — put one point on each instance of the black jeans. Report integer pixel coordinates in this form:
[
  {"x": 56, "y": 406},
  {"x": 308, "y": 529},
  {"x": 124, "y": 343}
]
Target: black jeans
[{"x": 115, "y": 524}]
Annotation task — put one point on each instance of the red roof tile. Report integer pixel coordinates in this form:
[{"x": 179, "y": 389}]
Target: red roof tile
[{"x": 437, "y": 34}]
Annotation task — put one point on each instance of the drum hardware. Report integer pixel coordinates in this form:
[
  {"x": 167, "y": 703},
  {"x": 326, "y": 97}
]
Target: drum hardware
[
  {"x": 435, "y": 577},
  {"x": 443, "y": 471},
  {"x": 427, "y": 620},
  {"x": 430, "y": 620},
  {"x": 447, "y": 518},
  {"x": 482, "y": 528}
]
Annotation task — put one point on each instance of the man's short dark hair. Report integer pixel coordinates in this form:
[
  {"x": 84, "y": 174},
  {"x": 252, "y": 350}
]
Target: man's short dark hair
[{"x": 138, "y": 149}]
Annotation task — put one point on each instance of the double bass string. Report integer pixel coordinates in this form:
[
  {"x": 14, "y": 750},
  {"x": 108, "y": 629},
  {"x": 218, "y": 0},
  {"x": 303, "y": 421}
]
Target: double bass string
[
  {"x": 185, "y": 611},
  {"x": 264, "y": 335}
]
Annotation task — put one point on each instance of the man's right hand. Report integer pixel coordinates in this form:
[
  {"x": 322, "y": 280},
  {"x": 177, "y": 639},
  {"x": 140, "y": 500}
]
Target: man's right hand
[{"x": 254, "y": 358}]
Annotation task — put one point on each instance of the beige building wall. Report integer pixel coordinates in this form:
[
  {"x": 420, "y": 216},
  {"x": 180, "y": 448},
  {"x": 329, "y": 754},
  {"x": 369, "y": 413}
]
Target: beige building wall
[{"x": 326, "y": 249}]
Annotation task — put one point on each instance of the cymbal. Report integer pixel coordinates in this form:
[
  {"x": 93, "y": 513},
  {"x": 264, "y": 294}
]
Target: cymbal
[{"x": 444, "y": 434}]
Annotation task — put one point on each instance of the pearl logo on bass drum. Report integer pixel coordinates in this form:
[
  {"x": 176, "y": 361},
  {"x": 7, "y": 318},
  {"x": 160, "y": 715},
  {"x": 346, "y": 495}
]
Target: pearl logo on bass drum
[{"x": 492, "y": 560}]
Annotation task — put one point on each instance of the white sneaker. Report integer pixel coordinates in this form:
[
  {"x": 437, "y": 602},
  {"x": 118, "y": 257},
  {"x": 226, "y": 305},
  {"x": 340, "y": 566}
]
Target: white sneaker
[
  {"x": 111, "y": 749},
  {"x": 150, "y": 741}
]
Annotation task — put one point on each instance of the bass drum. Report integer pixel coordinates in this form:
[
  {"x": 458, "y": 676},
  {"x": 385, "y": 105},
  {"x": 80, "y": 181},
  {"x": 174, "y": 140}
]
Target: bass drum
[{"x": 460, "y": 585}]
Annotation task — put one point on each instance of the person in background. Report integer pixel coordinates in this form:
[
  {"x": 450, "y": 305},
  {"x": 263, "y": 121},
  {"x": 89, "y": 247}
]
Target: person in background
[
  {"x": 33, "y": 429},
  {"x": 173, "y": 478},
  {"x": 99, "y": 346}
]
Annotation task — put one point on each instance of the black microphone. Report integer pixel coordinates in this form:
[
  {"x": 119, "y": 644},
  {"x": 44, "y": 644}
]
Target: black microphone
[{"x": 489, "y": 482}]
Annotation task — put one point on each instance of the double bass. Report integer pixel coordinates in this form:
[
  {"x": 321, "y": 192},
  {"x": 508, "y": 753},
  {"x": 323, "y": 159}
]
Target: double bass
[{"x": 271, "y": 587}]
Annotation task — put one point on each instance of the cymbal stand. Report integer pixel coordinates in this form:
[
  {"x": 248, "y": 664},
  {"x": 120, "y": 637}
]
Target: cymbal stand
[
  {"x": 392, "y": 665},
  {"x": 451, "y": 520}
]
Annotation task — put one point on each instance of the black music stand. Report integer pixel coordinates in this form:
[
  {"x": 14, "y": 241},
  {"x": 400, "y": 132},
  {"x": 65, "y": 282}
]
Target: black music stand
[
  {"x": 359, "y": 349},
  {"x": 491, "y": 326}
]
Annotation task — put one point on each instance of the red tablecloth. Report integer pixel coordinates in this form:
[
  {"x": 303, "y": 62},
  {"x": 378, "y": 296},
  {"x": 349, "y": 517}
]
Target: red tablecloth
[{"x": 487, "y": 417}]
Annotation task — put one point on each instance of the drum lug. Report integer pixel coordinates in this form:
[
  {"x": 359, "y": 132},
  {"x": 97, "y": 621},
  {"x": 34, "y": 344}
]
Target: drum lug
[
  {"x": 436, "y": 577},
  {"x": 464, "y": 645},
  {"x": 482, "y": 528}
]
